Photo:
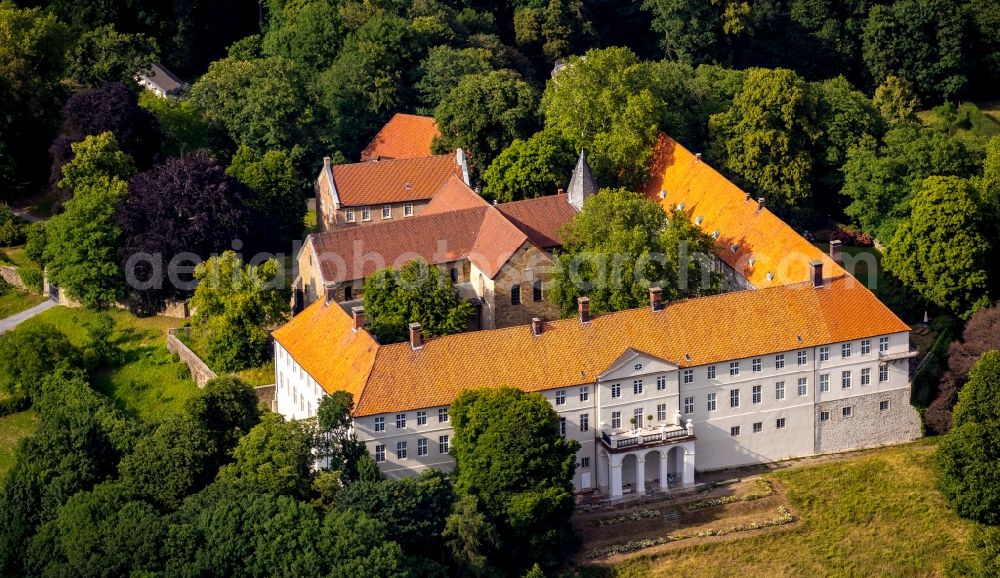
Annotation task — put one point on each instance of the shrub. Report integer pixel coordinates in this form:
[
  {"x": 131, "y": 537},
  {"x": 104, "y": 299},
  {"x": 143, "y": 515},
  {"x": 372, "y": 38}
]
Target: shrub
[
  {"x": 5, "y": 287},
  {"x": 11, "y": 405},
  {"x": 851, "y": 237},
  {"x": 32, "y": 278},
  {"x": 11, "y": 227}
]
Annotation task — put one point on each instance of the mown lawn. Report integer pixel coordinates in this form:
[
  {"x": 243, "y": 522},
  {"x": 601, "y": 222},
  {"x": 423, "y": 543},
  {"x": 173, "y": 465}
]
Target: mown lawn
[
  {"x": 15, "y": 301},
  {"x": 13, "y": 427},
  {"x": 876, "y": 514},
  {"x": 149, "y": 383}
]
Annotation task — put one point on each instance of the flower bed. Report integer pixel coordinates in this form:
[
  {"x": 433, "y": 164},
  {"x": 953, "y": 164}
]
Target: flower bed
[
  {"x": 784, "y": 517},
  {"x": 766, "y": 489},
  {"x": 634, "y": 516}
]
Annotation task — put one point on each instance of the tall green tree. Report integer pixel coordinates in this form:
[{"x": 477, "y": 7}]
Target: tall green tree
[
  {"x": 896, "y": 101},
  {"x": 29, "y": 354},
  {"x": 82, "y": 242},
  {"x": 530, "y": 168},
  {"x": 337, "y": 443},
  {"x": 510, "y": 456},
  {"x": 766, "y": 138},
  {"x": 604, "y": 103},
  {"x": 228, "y": 407},
  {"x": 416, "y": 293},
  {"x": 278, "y": 192},
  {"x": 275, "y": 457},
  {"x": 235, "y": 306},
  {"x": 620, "y": 245},
  {"x": 184, "y": 128},
  {"x": 444, "y": 68},
  {"x": 484, "y": 114},
  {"x": 309, "y": 33},
  {"x": 106, "y": 55},
  {"x": 941, "y": 250}
]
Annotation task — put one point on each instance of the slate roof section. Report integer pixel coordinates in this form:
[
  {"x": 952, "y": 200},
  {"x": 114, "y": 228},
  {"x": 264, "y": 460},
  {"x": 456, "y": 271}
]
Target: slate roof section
[
  {"x": 405, "y": 136},
  {"x": 375, "y": 183}
]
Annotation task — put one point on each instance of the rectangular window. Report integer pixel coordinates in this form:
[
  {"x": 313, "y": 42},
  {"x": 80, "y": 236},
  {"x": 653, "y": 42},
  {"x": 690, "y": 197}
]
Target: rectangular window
[
  {"x": 711, "y": 402},
  {"x": 758, "y": 426},
  {"x": 734, "y": 368},
  {"x": 845, "y": 379},
  {"x": 515, "y": 294},
  {"x": 584, "y": 422},
  {"x": 845, "y": 350},
  {"x": 560, "y": 397},
  {"x": 883, "y": 405},
  {"x": 401, "y": 450},
  {"x": 780, "y": 424},
  {"x": 421, "y": 418},
  {"x": 585, "y": 393},
  {"x": 637, "y": 416},
  {"x": 710, "y": 372},
  {"x": 350, "y": 215},
  {"x": 734, "y": 431},
  {"x": 442, "y": 415},
  {"x": 584, "y": 462},
  {"x": 779, "y": 361},
  {"x": 386, "y": 211},
  {"x": 688, "y": 405},
  {"x": 801, "y": 388},
  {"x": 688, "y": 376},
  {"x": 824, "y": 353},
  {"x": 616, "y": 420},
  {"x": 379, "y": 454},
  {"x": 422, "y": 447},
  {"x": 400, "y": 420},
  {"x": 800, "y": 357},
  {"x": 637, "y": 387},
  {"x": 866, "y": 346},
  {"x": 444, "y": 446},
  {"x": 824, "y": 382},
  {"x": 824, "y": 416},
  {"x": 779, "y": 390},
  {"x": 883, "y": 344},
  {"x": 734, "y": 398},
  {"x": 616, "y": 390},
  {"x": 755, "y": 365},
  {"x": 866, "y": 376},
  {"x": 380, "y": 424},
  {"x": 366, "y": 214},
  {"x": 883, "y": 373},
  {"x": 562, "y": 426},
  {"x": 847, "y": 411},
  {"x": 536, "y": 291},
  {"x": 661, "y": 411},
  {"x": 661, "y": 382},
  {"x": 408, "y": 210},
  {"x": 756, "y": 394}
]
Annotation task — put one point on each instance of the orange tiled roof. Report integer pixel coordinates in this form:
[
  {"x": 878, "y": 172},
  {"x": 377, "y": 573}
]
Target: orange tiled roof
[
  {"x": 454, "y": 195},
  {"x": 405, "y": 136},
  {"x": 542, "y": 219},
  {"x": 756, "y": 234},
  {"x": 393, "y": 181},
  {"x": 708, "y": 329}
]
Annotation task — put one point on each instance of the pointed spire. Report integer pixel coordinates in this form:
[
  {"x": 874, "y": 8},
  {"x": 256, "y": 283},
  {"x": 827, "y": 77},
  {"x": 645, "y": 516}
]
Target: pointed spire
[{"x": 582, "y": 184}]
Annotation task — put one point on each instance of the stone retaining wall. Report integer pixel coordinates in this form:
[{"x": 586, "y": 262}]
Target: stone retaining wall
[
  {"x": 11, "y": 276},
  {"x": 265, "y": 394},
  {"x": 201, "y": 373}
]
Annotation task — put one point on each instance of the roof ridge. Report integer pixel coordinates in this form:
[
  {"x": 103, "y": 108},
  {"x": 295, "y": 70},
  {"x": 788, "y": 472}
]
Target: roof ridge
[{"x": 391, "y": 161}]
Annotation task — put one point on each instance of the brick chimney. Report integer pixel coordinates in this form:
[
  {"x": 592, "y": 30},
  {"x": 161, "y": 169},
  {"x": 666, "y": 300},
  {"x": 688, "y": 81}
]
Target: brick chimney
[
  {"x": 760, "y": 204},
  {"x": 817, "y": 272},
  {"x": 536, "y": 326},
  {"x": 656, "y": 299},
  {"x": 697, "y": 157},
  {"x": 835, "y": 253},
  {"x": 358, "y": 314},
  {"x": 416, "y": 339},
  {"x": 583, "y": 305}
]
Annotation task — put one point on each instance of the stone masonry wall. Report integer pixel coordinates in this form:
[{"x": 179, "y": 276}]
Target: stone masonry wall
[
  {"x": 201, "y": 373},
  {"x": 514, "y": 272},
  {"x": 868, "y": 426},
  {"x": 11, "y": 276}
]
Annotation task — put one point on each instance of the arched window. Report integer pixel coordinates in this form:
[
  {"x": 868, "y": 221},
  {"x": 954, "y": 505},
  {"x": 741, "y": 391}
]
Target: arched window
[
  {"x": 536, "y": 290},
  {"x": 515, "y": 294}
]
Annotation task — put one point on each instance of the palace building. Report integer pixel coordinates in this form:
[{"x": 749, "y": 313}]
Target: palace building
[{"x": 798, "y": 358}]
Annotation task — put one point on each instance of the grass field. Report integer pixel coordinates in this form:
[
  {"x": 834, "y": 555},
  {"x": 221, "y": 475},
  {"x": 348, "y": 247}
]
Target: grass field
[
  {"x": 15, "y": 301},
  {"x": 149, "y": 383},
  {"x": 874, "y": 514},
  {"x": 12, "y": 428},
  {"x": 14, "y": 256}
]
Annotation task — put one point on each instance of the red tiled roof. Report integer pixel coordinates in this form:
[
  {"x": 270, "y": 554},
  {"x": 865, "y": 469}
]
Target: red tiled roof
[
  {"x": 758, "y": 234},
  {"x": 393, "y": 181},
  {"x": 542, "y": 219},
  {"x": 454, "y": 195},
  {"x": 405, "y": 136}
]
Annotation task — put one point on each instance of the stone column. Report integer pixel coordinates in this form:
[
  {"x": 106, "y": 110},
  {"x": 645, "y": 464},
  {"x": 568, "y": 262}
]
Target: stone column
[
  {"x": 640, "y": 474},
  {"x": 689, "y": 465},
  {"x": 616, "y": 478},
  {"x": 602, "y": 469},
  {"x": 664, "y": 470}
]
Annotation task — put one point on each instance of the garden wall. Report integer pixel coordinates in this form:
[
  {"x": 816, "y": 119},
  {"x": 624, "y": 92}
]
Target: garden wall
[
  {"x": 201, "y": 373},
  {"x": 11, "y": 276}
]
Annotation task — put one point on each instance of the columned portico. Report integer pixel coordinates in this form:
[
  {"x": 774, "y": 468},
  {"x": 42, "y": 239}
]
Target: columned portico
[{"x": 622, "y": 469}]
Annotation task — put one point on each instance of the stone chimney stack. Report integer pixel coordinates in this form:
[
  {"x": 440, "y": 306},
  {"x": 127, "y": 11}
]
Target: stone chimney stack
[
  {"x": 416, "y": 339},
  {"x": 326, "y": 164},
  {"x": 760, "y": 204},
  {"x": 817, "y": 273},
  {"x": 656, "y": 299},
  {"x": 358, "y": 314},
  {"x": 835, "y": 251},
  {"x": 536, "y": 326},
  {"x": 582, "y": 184},
  {"x": 583, "y": 305}
]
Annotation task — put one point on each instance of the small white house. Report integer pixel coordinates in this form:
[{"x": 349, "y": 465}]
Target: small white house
[{"x": 161, "y": 81}]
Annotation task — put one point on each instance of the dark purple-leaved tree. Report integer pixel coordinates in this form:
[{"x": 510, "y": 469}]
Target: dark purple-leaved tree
[
  {"x": 115, "y": 108},
  {"x": 184, "y": 205}
]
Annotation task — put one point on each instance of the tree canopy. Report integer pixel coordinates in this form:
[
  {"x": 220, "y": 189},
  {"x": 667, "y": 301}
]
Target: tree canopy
[
  {"x": 105, "y": 55},
  {"x": 530, "y": 168}
]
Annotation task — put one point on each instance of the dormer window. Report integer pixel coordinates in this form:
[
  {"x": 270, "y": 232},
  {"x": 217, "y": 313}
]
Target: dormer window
[
  {"x": 715, "y": 234},
  {"x": 699, "y": 220}
]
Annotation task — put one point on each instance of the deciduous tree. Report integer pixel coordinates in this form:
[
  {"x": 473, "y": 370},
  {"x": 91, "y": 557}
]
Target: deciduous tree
[
  {"x": 29, "y": 354},
  {"x": 275, "y": 457},
  {"x": 105, "y": 55},
  {"x": 444, "y": 68},
  {"x": 530, "y": 168},
  {"x": 277, "y": 191}
]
